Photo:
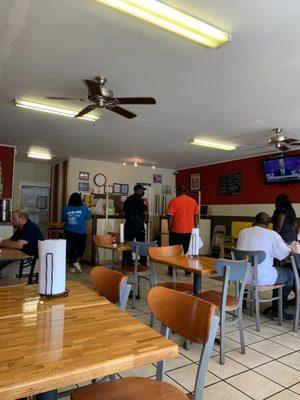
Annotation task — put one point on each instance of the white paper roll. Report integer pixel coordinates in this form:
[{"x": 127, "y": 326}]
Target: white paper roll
[
  {"x": 122, "y": 233},
  {"x": 52, "y": 273},
  {"x": 195, "y": 243},
  {"x": 297, "y": 250}
]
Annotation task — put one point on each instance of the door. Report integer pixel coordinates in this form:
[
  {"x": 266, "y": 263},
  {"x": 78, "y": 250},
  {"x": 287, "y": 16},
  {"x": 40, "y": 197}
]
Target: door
[{"x": 35, "y": 200}]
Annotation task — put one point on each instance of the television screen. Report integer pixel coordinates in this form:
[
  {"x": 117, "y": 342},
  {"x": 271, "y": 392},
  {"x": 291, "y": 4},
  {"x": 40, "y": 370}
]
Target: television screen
[{"x": 282, "y": 169}]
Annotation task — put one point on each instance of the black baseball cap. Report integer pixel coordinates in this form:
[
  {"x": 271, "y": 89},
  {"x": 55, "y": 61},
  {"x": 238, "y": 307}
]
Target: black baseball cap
[{"x": 139, "y": 186}]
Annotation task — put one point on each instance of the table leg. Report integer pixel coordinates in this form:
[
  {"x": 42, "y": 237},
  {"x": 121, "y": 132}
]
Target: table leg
[
  {"x": 197, "y": 283},
  {"x": 51, "y": 395}
]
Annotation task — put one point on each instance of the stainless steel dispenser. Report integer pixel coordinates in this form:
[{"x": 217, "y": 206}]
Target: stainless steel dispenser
[{"x": 5, "y": 210}]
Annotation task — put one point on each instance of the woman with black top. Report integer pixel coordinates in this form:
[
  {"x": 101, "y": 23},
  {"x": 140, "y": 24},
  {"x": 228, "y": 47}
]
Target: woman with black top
[{"x": 284, "y": 219}]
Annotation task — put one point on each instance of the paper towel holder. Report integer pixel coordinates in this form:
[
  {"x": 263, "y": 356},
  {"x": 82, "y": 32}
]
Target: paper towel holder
[{"x": 65, "y": 293}]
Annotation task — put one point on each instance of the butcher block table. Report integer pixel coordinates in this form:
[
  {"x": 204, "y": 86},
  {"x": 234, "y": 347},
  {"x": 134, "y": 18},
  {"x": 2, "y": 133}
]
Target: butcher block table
[
  {"x": 45, "y": 347},
  {"x": 12, "y": 255}
]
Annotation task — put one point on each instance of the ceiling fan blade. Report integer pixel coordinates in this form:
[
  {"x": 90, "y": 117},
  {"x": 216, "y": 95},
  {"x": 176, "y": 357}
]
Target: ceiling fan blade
[
  {"x": 60, "y": 98},
  {"x": 94, "y": 87},
  {"x": 256, "y": 148},
  {"x": 86, "y": 110},
  {"x": 136, "y": 100},
  {"x": 290, "y": 140},
  {"x": 122, "y": 111}
]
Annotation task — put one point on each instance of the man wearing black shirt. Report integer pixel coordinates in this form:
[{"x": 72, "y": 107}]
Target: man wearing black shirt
[
  {"x": 136, "y": 215},
  {"x": 25, "y": 238}
]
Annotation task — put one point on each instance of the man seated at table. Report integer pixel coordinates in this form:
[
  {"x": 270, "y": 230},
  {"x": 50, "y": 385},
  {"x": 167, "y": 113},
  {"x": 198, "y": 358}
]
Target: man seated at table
[
  {"x": 25, "y": 238},
  {"x": 259, "y": 237}
]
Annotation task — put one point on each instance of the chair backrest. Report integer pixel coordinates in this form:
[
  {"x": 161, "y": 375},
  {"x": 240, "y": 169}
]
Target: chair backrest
[
  {"x": 192, "y": 318},
  {"x": 28, "y": 263},
  {"x": 165, "y": 251},
  {"x": 186, "y": 315},
  {"x": 102, "y": 239},
  {"x": 141, "y": 248},
  {"x": 295, "y": 258},
  {"x": 218, "y": 236},
  {"x": 110, "y": 284},
  {"x": 237, "y": 268},
  {"x": 256, "y": 257}
]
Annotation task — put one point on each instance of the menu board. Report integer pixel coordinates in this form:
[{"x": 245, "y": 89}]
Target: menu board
[{"x": 230, "y": 184}]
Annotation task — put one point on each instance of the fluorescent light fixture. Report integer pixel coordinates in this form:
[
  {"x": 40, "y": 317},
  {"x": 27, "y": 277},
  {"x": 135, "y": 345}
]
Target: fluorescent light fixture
[
  {"x": 53, "y": 110},
  {"x": 135, "y": 164},
  {"x": 173, "y": 20},
  {"x": 39, "y": 154},
  {"x": 153, "y": 166},
  {"x": 212, "y": 144}
]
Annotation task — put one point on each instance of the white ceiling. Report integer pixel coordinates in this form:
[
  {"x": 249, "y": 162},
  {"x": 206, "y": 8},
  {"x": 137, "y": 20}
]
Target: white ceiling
[{"x": 234, "y": 94}]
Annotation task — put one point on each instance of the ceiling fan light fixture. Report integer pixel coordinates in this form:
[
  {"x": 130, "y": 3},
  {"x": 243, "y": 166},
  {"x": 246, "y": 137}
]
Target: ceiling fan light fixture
[
  {"x": 213, "y": 144},
  {"x": 53, "y": 110},
  {"x": 171, "y": 19}
]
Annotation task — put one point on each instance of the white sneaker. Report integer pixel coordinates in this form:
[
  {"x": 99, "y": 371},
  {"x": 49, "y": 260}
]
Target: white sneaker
[
  {"x": 77, "y": 266},
  {"x": 72, "y": 270}
]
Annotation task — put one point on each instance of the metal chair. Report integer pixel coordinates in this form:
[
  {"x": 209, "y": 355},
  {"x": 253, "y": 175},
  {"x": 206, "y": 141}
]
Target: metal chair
[
  {"x": 233, "y": 272},
  {"x": 31, "y": 275},
  {"x": 295, "y": 258},
  {"x": 256, "y": 257},
  {"x": 111, "y": 284},
  {"x": 217, "y": 239},
  {"x": 139, "y": 271},
  {"x": 169, "y": 251},
  {"x": 186, "y": 315}
]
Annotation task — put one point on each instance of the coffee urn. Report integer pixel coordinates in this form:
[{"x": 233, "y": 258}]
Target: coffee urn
[{"x": 4, "y": 210}]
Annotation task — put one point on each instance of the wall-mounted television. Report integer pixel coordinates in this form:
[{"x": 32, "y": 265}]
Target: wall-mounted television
[{"x": 282, "y": 169}]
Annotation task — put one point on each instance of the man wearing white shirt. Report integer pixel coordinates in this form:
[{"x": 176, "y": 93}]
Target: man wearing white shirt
[{"x": 259, "y": 237}]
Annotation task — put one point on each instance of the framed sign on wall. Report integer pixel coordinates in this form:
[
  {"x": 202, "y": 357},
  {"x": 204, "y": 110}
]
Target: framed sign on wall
[{"x": 195, "y": 182}]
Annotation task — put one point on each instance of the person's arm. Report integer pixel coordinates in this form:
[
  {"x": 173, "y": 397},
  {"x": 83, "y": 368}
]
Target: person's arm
[
  {"x": 196, "y": 220},
  {"x": 13, "y": 244},
  {"x": 280, "y": 249},
  {"x": 279, "y": 222},
  {"x": 146, "y": 216},
  {"x": 63, "y": 215},
  {"x": 170, "y": 222}
]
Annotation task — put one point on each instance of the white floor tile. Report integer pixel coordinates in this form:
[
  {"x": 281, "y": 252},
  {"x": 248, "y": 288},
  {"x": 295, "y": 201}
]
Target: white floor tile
[
  {"x": 186, "y": 376},
  {"x": 194, "y": 352},
  {"x": 285, "y": 395},
  {"x": 266, "y": 331},
  {"x": 271, "y": 349},
  {"x": 145, "y": 371},
  {"x": 229, "y": 344},
  {"x": 177, "y": 362},
  {"x": 288, "y": 340},
  {"x": 296, "y": 388},
  {"x": 251, "y": 359},
  {"x": 249, "y": 337},
  {"x": 292, "y": 360},
  {"x": 282, "y": 374},
  {"x": 223, "y": 391},
  {"x": 254, "y": 385},
  {"x": 230, "y": 367}
]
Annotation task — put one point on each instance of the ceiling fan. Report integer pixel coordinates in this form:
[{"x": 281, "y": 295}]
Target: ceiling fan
[
  {"x": 102, "y": 97},
  {"x": 279, "y": 141}
]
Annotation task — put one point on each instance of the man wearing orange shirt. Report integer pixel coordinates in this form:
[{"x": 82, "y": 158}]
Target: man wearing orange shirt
[{"x": 183, "y": 216}]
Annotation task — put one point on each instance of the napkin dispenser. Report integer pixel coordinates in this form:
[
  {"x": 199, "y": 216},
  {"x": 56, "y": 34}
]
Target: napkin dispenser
[
  {"x": 52, "y": 271},
  {"x": 195, "y": 243}
]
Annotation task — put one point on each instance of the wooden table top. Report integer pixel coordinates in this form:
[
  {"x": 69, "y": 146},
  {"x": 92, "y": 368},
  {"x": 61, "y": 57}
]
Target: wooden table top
[
  {"x": 12, "y": 255},
  {"x": 119, "y": 247},
  {"x": 200, "y": 265},
  {"x": 51, "y": 350},
  {"x": 25, "y": 300}
]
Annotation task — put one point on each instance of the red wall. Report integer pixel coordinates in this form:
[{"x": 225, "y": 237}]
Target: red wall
[
  {"x": 253, "y": 187},
  {"x": 7, "y": 157}
]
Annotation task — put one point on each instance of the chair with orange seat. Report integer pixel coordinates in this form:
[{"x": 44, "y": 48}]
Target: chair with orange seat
[
  {"x": 111, "y": 284},
  {"x": 186, "y": 315},
  {"x": 234, "y": 272},
  {"x": 169, "y": 251},
  {"x": 99, "y": 240}
]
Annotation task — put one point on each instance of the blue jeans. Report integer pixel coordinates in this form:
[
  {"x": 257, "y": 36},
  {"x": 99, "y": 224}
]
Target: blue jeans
[{"x": 285, "y": 276}]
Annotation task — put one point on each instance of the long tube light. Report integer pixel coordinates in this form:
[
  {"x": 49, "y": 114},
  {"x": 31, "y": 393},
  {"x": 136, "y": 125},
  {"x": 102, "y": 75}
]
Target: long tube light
[
  {"x": 173, "y": 20},
  {"x": 212, "y": 144},
  {"x": 53, "y": 110},
  {"x": 42, "y": 156}
]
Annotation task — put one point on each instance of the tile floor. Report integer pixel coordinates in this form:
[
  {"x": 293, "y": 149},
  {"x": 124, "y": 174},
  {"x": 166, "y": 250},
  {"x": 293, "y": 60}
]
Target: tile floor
[{"x": 270, "y": 369}]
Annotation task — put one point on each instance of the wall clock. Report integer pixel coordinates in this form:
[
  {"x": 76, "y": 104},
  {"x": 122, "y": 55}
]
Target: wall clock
[{"x": 100, "y": 180}]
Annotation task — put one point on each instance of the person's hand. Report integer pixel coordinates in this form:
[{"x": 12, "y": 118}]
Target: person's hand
[{"x": 21, "y": 243}]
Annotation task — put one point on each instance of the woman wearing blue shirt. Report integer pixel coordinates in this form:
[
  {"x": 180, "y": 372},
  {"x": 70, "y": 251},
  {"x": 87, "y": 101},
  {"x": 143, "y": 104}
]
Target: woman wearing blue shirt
[{"x": 74, "y": 216}]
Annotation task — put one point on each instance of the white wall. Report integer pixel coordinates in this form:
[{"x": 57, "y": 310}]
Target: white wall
[
  {"x": 117, "y": 173},
  {"x": 30, "y": 173}
]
